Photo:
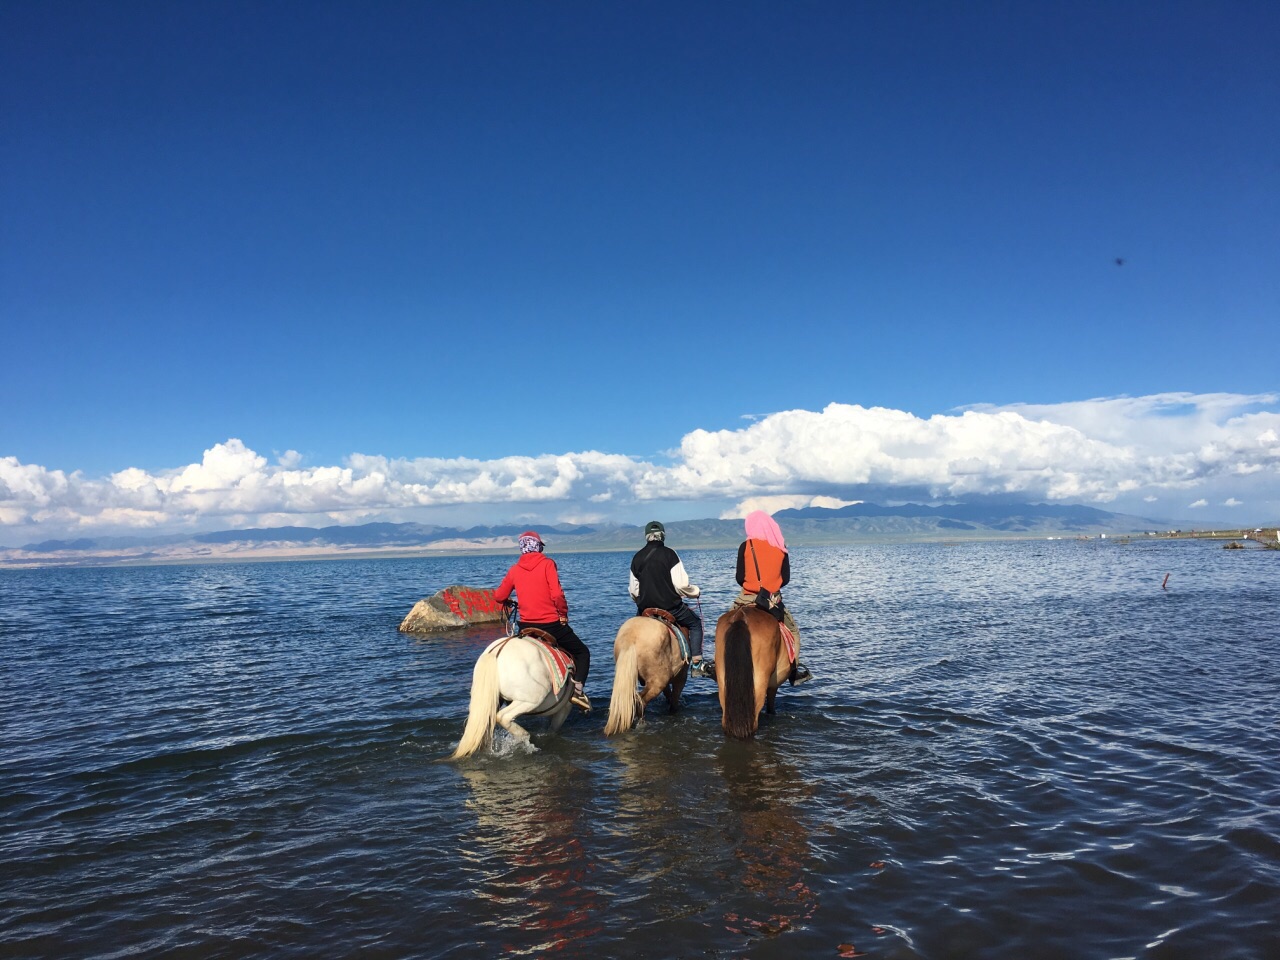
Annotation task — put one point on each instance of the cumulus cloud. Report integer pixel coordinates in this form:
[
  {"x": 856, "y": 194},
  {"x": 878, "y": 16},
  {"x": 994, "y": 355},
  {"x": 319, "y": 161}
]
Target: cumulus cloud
[
  {"x": 783, "y": 502},
  {"x": 1093, "y": 451},
  {"x": 768, "y": 504}
]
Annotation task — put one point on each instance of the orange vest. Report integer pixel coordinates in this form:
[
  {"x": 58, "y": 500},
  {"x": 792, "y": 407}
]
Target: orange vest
[{"x": 770, "y": 560}]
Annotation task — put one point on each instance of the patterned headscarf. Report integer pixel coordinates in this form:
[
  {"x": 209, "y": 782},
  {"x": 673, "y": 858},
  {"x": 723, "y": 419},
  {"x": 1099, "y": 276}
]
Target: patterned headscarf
[
  {"x": 761, "y": 526},
  {"x": 530, "y": 542}
]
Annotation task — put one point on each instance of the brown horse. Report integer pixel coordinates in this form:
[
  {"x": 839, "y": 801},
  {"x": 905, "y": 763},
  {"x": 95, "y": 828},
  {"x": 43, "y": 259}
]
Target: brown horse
[
  {"x": 644, "y": 651},
  {"x": 751, "y": 661}
]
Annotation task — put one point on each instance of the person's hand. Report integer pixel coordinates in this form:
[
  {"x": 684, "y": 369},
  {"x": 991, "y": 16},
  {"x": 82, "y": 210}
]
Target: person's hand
[{"x": 564, "y": 621}]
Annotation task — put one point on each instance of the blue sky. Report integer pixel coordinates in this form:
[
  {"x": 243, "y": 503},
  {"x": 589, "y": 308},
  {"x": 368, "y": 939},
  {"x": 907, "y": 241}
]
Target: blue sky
[{"x": 596, "y": 252}]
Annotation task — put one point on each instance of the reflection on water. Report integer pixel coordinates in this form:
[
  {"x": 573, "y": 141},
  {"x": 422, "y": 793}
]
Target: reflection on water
[
  {"x": 653, "y": 811},
  {"x": 716, "y": 844},
  {"x": 533, "y": 869},
  {"x": 764, "y": 807}
]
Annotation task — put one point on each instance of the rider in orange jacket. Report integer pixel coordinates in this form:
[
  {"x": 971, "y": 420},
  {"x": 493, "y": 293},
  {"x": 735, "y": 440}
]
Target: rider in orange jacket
[{"x": 764, "y": 567}]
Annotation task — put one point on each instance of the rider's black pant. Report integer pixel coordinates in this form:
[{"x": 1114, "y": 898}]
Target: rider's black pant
[{"x": 569, "y": 642}]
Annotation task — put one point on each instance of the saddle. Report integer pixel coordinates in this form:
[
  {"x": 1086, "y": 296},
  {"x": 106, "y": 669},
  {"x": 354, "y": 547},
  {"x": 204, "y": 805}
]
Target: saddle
[
  {"x": 678, "y": 631},
  {"x": 559, "y": 663},
  {"x": 659, "y": 614},
  {"x": 538, "y": 634}
]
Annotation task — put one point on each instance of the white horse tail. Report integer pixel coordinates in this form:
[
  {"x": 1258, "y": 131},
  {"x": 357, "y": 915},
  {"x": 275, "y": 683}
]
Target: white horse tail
[
  {"x": 484, "y": 707},
  {"x": 622, "y": 704}
]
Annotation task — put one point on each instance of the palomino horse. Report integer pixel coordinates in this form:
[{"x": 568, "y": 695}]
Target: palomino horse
[
  {"x": 644, "y": 651},
  {"x": 513, "y": 669},
  {"x": 751, "y": 661}
]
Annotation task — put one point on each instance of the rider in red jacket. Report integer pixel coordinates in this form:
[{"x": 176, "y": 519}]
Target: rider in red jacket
[{"x": 536, "y": 582}]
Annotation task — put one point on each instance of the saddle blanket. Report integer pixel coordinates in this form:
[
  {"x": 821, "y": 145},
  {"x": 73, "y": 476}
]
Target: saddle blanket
[
  {"x": 789, "y": 639},
  {"x": 559, "y": 663}
]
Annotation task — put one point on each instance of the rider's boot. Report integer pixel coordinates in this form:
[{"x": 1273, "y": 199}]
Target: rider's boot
[
  {"x": 579, "y": 698},
  {"x": 799, "y": 673}
]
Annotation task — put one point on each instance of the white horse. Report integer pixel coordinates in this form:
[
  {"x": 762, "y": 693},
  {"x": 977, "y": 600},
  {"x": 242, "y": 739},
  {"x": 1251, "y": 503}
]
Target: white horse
[{"x": 513, "y": 669}]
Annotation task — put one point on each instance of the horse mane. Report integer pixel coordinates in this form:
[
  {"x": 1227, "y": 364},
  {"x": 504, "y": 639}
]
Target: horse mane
[{"x": 739, "y": 680}]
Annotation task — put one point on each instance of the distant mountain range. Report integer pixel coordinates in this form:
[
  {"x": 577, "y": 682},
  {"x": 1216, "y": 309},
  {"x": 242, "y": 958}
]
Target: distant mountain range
[{"x": 812, "y": 525}]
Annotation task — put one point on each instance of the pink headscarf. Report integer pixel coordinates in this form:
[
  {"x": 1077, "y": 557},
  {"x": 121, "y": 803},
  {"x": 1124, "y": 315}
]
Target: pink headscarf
[{"x": 761, "y": 526}]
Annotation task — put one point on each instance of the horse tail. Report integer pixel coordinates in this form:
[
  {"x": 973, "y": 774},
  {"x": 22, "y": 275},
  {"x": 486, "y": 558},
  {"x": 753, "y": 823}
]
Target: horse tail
[
  {"x": 739, "y": 681},
  {"x": 622, "y": 704},
  {"x": 484, "y": 707}
]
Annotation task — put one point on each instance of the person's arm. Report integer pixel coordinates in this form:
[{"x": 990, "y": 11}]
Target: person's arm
[
  {"x": 504, "y": 588},
  {"x": 557, "y": 592},
  {"x": 680, "y": 580},
  {"x": 742, "y": 562},
  {"x": 786, "y": 569}
]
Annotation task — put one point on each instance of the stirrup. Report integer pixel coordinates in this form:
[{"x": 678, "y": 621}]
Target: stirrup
[
  {"x": 799, "y": 673},
  {"x": 579, "y": 700}
]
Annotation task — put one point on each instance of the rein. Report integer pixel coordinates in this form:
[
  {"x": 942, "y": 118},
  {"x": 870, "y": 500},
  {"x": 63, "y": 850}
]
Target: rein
[{"x": 510, "y": 618}]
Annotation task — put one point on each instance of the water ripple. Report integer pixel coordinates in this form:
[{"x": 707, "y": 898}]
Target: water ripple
[{"x": 1011, "y": 750}]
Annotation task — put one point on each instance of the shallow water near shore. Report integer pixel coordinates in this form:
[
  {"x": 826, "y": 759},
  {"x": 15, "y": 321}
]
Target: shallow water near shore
[{"x": 1011, "y": 750}]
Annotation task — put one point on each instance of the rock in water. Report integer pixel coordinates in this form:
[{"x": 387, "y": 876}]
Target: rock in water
[{"x": 451, "y": 608}]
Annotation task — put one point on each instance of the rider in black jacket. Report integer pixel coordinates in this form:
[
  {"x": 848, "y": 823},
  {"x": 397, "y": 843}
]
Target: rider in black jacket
[{"x": 658, "y": 579}]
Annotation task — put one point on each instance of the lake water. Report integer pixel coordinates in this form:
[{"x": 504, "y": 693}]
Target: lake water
[{"x": 1010, "y": 750}]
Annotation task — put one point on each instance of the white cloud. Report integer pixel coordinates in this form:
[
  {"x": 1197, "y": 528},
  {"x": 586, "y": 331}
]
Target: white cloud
[
  {"x": 1198, "y": 503},
  {"x": 1231, "y": 502},
  {"x": 1101, "y": 450},
  {"x": 831, "y": 503},
  {"x": 768, "y": 504},
  {"x": 783, "y": 502},
  {"x": 581, "y": 519},
  {"x": 847, "y": 446}
]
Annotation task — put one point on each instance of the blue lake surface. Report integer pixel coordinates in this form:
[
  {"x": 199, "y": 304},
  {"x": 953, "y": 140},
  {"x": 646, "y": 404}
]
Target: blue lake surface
[{"x": 1011, "y": 750}]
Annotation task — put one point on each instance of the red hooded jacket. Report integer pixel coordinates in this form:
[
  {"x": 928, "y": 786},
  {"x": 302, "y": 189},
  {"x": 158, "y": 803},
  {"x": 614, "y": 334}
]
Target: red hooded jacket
[{"x": 536, "y": 581}]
